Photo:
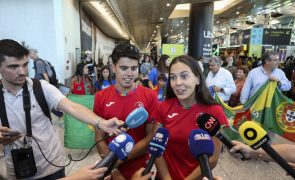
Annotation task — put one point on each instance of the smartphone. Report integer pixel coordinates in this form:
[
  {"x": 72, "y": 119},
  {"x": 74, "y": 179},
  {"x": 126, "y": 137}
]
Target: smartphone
[{"x": 10, "y": 133}]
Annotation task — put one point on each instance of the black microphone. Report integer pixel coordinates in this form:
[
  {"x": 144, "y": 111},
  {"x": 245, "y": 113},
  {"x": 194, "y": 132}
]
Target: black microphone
[
  {"x": 256, "y": 137},
  {"x": 202, "y": 147},
  {"x": 119, "y": 147},
  {"x": 212, "y": 126},
  {"x": 156, "y": 147}
]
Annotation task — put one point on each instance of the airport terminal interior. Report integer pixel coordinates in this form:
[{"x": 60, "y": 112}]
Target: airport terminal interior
[{"x": 238, "y": 32}]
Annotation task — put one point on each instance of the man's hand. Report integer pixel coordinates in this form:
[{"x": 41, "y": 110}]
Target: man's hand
[
  {"x": 273, "y": 78},
  {"x": 10, "y": 139},
  {"x": 110, "y": 125},
  {"x": 88, "y": 173},
  {"x": 217, "y": 89},
  {"x": 138, "y": 175},
  {"x": 246, "y": 150}
]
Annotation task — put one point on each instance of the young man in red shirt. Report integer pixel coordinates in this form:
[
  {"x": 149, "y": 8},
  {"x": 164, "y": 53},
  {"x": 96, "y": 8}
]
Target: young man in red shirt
[{"x": 121, "y": 99}]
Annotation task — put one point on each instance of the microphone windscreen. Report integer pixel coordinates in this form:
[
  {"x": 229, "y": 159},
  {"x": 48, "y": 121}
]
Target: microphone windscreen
[
  {"x": 253, "y": 135},
  {"x": 137, "y": 117},
  {"x": 121, "y": 145},
  {"x": 200, "y": 142},
  {"x": 159, "y": 142},
  {"x": 208, "y": 123}
]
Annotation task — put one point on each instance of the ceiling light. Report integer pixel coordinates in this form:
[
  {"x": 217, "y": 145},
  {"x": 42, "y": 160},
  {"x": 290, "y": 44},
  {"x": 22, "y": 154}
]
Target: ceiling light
[
  {"x": 181, "y": 21},
  {"x": 161, "y": 19},
  {"x": 237, "y": 12},
  {"x": 168, "y": 4},
  {"x": 155, "y": 31},
  {"x": 177, "y": 25},
  {"x": 157, "y": 26},
  {"x": 171, "y": 30}
]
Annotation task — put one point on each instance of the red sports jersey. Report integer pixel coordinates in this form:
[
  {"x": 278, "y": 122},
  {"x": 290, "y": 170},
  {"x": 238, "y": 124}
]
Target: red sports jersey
[
  {"x": 180, "y": 122},
  {"x": 110, "y": 103}
]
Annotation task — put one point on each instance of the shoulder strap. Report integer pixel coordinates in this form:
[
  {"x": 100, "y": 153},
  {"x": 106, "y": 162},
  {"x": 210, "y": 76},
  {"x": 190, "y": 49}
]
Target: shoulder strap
[
  {"x": 3, "y": 114},
  {"x": 40, "y": 97}
]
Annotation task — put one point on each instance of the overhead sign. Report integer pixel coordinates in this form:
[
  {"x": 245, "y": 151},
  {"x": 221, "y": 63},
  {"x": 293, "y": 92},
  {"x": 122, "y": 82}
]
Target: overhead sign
[
  {"x": 256, "y": 36},
  {"x": 276, "y": 36},
  {"x": 173, "y": 50}
]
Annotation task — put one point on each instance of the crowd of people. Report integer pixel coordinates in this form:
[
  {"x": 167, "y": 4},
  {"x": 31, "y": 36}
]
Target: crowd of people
[{"x": 173, "y": 92}]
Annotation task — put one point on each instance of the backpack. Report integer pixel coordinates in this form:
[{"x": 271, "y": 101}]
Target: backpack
[{"x": 49, "y": 70}]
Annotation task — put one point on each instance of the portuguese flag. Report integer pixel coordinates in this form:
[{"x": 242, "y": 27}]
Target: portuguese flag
[{"x": 269, "y": 107}]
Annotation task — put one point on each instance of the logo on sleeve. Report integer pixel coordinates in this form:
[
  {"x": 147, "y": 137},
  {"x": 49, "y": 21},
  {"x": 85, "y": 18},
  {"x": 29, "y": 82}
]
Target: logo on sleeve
[
  {"x": 109, "y": 104},
  {"x": 172, "y": 115}
]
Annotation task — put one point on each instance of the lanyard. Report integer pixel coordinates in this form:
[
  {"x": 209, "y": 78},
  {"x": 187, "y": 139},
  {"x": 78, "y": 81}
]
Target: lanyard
[{"x": 27, "y": 109}]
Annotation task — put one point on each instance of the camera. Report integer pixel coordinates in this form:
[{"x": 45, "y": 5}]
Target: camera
[{"x": 23, "y": 162}]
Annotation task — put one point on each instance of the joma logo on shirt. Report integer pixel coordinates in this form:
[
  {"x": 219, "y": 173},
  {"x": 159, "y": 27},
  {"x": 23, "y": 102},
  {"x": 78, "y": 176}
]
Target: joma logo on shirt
[
  {"x": 172, "y": 115},
  {"x": 109, "y": 104}
]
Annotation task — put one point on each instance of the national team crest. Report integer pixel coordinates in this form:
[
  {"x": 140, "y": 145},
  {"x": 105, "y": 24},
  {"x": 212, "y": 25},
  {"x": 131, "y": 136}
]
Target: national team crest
[{"x": 285, "y": 114}]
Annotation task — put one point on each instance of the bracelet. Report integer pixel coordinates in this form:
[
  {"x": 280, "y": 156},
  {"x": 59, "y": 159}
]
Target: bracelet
[{"x": 97, "y": 124}]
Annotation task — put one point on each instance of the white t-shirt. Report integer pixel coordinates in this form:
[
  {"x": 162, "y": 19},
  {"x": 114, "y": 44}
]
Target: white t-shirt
[{"x": 42, "y": 129}]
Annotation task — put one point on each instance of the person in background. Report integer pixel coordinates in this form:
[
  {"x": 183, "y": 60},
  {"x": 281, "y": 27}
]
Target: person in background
[
  {"x": 121, "y": 99},
  {"x": 200, "y": 61},
  {"x": 39, "y": 66},
  {"x": 162, "y": 68},
  {"x": 187, "y": 96},
  {"x": 161, "y": 87},
  {"x": 145, "y": 68},
  {"x": 31, "y": 68},
  {"x": 81, "y": 83},
  {"x": 138, "y": 81},
  {"x": 92, "y": 71},
  {"x": 240, "y": 81},
  {"x": 104, "y": 79},
  {"x": 220, "y": 79},
  {"x": 110, "y": 63},
  {"x": 258, "y": 76}
]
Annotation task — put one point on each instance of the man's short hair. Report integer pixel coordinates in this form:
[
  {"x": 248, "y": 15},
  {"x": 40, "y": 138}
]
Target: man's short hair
[
  {"x": 11, "y": 48},
  {"x": 125, "y": 50},
  {"x": 266, "y": 56},
  {"x": 215, "y": 60}
]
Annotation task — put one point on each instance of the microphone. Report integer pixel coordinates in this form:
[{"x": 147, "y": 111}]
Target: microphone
[
  {"x": 256, "y": 137},
  {"x": 157, "y": 147},
  {"x": 212, "y": 126},
  {"x": 202, "y": 147},
  {"x": 136, "y": 118},
  {"x": 119, "y": 147}
]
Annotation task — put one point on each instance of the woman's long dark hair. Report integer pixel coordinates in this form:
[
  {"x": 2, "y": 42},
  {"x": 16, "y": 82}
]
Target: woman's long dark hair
[
  {"x": 79, "y": 73},
  {"x": 162, "y": 68},
  {"x": 202, "y": 92},
  {"x": 100, "y": 80}
]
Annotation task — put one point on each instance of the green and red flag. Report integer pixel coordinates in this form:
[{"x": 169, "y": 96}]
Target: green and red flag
[{"x": 269, "y": 107}]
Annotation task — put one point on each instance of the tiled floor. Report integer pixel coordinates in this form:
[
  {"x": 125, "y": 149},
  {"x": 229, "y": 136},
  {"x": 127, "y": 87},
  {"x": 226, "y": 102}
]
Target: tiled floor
[{"x": 228, "y": 167}]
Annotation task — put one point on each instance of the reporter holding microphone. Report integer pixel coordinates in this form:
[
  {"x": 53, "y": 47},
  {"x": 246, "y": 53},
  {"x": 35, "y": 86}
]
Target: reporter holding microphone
[{"x": 187, "y": 96}]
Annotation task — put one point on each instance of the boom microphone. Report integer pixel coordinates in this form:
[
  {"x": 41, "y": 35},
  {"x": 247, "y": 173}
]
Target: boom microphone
[
  {"x": 202, "y": 147},
  {"x": 212, "y": 126},
  {"x": 256, "y": 137},
  {"x": 119, "y": 147},
  {"x": 157, "y": 147},
  {"x": 136, "y": 118}
]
